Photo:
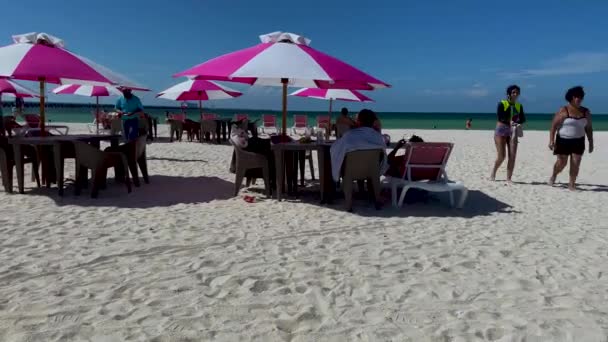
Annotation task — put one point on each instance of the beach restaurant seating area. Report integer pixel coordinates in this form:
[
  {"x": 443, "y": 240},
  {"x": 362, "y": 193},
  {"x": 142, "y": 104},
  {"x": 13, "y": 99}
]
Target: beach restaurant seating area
[
  {"x": 424, "y": 164},
  {"x": 263, "y": 148},
  {"x": 47, "y": 151}
]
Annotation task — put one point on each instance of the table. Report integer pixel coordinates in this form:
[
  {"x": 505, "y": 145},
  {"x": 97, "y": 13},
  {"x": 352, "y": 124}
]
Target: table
[
  {"x": 325, "y": 179},
  {"x": 56, "y": 142},
  {"x": 61, "y": 129}
]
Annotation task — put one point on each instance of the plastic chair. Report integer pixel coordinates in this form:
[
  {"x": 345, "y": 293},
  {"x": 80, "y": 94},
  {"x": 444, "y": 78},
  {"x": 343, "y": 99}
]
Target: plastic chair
[
  {"x": 7, "y": 163},
  {"x": 98, "y": 162},
  {"x": 239, "y": 117},
  {"x": 209, "y": 126},
  {"x": 247, "y": 161},
  {"x": 100, "y": 120},
  {"x": 32, "y": 120},
  {"x": 116, "y": 126},
  {"x": 176, "y": 123},
  {"x": 362, "y": 165},
  {"x": 300, "y": 122},
  {"x": 425, "y": 165},
  {"x": 135, "y": 152},
  {"x": 269, "y": 121},
  {"x": 209, "y": 116}
]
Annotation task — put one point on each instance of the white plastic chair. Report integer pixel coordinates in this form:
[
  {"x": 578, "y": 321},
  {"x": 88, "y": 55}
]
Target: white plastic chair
[
  {"x": 300, "y": 123},
  {"x": 269, "y": 121}
]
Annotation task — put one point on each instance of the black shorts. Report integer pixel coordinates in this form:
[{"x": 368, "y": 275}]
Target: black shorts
[{"x": 567, "y": 147}]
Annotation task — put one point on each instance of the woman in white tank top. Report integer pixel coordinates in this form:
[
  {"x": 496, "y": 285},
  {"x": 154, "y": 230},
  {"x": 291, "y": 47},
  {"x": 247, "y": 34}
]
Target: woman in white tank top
[{"x": 567, "y": 136}]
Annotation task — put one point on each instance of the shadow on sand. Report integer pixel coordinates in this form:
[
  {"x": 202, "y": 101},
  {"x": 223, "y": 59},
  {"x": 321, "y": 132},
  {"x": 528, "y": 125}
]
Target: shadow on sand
[
  {"x": 163, "y": 191},
  {"x": 417, "y": 204},
  {"x": 177, "y": 160},
  {"x": 579, "y": 186}
]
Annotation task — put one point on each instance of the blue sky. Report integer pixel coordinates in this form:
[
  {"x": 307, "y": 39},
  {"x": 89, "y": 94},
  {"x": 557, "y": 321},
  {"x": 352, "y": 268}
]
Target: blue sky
[{"x": 438, "y": 55}]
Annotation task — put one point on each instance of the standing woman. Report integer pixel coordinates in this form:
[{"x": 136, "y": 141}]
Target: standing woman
[
  {"x": 510, "y": 114},
  {"x": 572, "y": 122}
]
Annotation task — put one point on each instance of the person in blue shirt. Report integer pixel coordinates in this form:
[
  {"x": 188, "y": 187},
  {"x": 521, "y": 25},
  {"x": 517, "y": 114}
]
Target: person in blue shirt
[{"x": 130, "y": 108}]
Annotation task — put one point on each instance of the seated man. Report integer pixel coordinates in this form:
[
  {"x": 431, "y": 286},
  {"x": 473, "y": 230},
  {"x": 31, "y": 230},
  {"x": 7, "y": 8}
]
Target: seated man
[{"x": 364, "y": 137}]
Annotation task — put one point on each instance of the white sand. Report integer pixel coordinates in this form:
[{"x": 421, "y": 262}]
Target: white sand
[{"x": 182, "y": 260}]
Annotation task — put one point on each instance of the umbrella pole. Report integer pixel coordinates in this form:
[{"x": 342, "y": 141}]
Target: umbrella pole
[
  {"x": 200, "y": 103},
  {"x": 97, "y": 112},
  {"x": 329, "y": 124},
  {"x": 284, "y": 123},
  {"x": 42, "y": 114}
]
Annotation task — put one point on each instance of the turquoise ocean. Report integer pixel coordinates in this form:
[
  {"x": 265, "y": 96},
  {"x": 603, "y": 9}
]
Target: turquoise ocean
[{"x": 405, "y": 120}]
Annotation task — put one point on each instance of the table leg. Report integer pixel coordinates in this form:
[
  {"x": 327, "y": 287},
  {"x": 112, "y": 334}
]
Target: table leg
[
  {"x": 218, "y": 131},
  {"x": 228, "y": 126},
  {"x": 58, "y": 166},
  {"x": 326, "y": 182},
  {"x": 44, "y": 163},
  {"x": 280, "y": 172},
  {"x": 19, "y": 166}
]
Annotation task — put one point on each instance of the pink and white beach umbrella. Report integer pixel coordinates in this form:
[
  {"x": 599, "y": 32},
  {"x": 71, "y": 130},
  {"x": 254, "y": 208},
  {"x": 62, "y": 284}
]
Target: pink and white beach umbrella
[
  {"x": 284, "y": 59},
  {"x": 43, "y": 57},
  {"x": 332, "y": 94},
  {"x": 90, "y": 91},
  {"x": 15, "y": 89},
  {"x": 198, "y": 90},
  {"x": 87, "y": 90}
]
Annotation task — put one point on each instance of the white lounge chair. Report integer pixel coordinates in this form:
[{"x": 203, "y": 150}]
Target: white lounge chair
[{"x": 425, "y": 165}]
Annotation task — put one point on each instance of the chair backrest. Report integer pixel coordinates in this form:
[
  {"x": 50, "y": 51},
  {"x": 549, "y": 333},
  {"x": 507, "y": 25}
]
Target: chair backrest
[
  {"x": 427, "y": 161},
  {"x": 99, "y": 116},
  {"x": 209, "y": 116},
  {"x": 300, "y": 121},
  {"x": 87, "y": 155},
  {"x": 323, "y": 120},
  {"x": 239, "y": 117},
  {"x": 269, "y": 120},
  {"x": 140, "y": 148},
  {"x": 116, "y": 125},
  {"x": 363, "y": 163},
  {"x": 32, "y": 120},
  {"x": 342, "y": 128},
  {"x": 208, "y": 125},
  {"x": 177, "y": 117}
]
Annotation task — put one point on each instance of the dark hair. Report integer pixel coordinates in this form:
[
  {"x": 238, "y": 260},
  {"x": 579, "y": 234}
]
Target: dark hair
[
  {"x": 366, "y": 118},
  {"x": 575, "y": 92},
  {"x": 344, "y": 111},
  {"x": 513, "y": 87},
  {"x": 415, "y": 138}
]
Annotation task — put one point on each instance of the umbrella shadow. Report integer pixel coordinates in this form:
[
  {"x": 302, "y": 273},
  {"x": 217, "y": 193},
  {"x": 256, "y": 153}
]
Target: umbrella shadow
[
  {"x": 416, "y": 204},
  {"x": 422, "y": 204},
  {"x": 163, "y": 191}
]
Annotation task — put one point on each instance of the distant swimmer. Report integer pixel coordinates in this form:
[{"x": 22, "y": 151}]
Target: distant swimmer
[{"x": 469, "y": 123}]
